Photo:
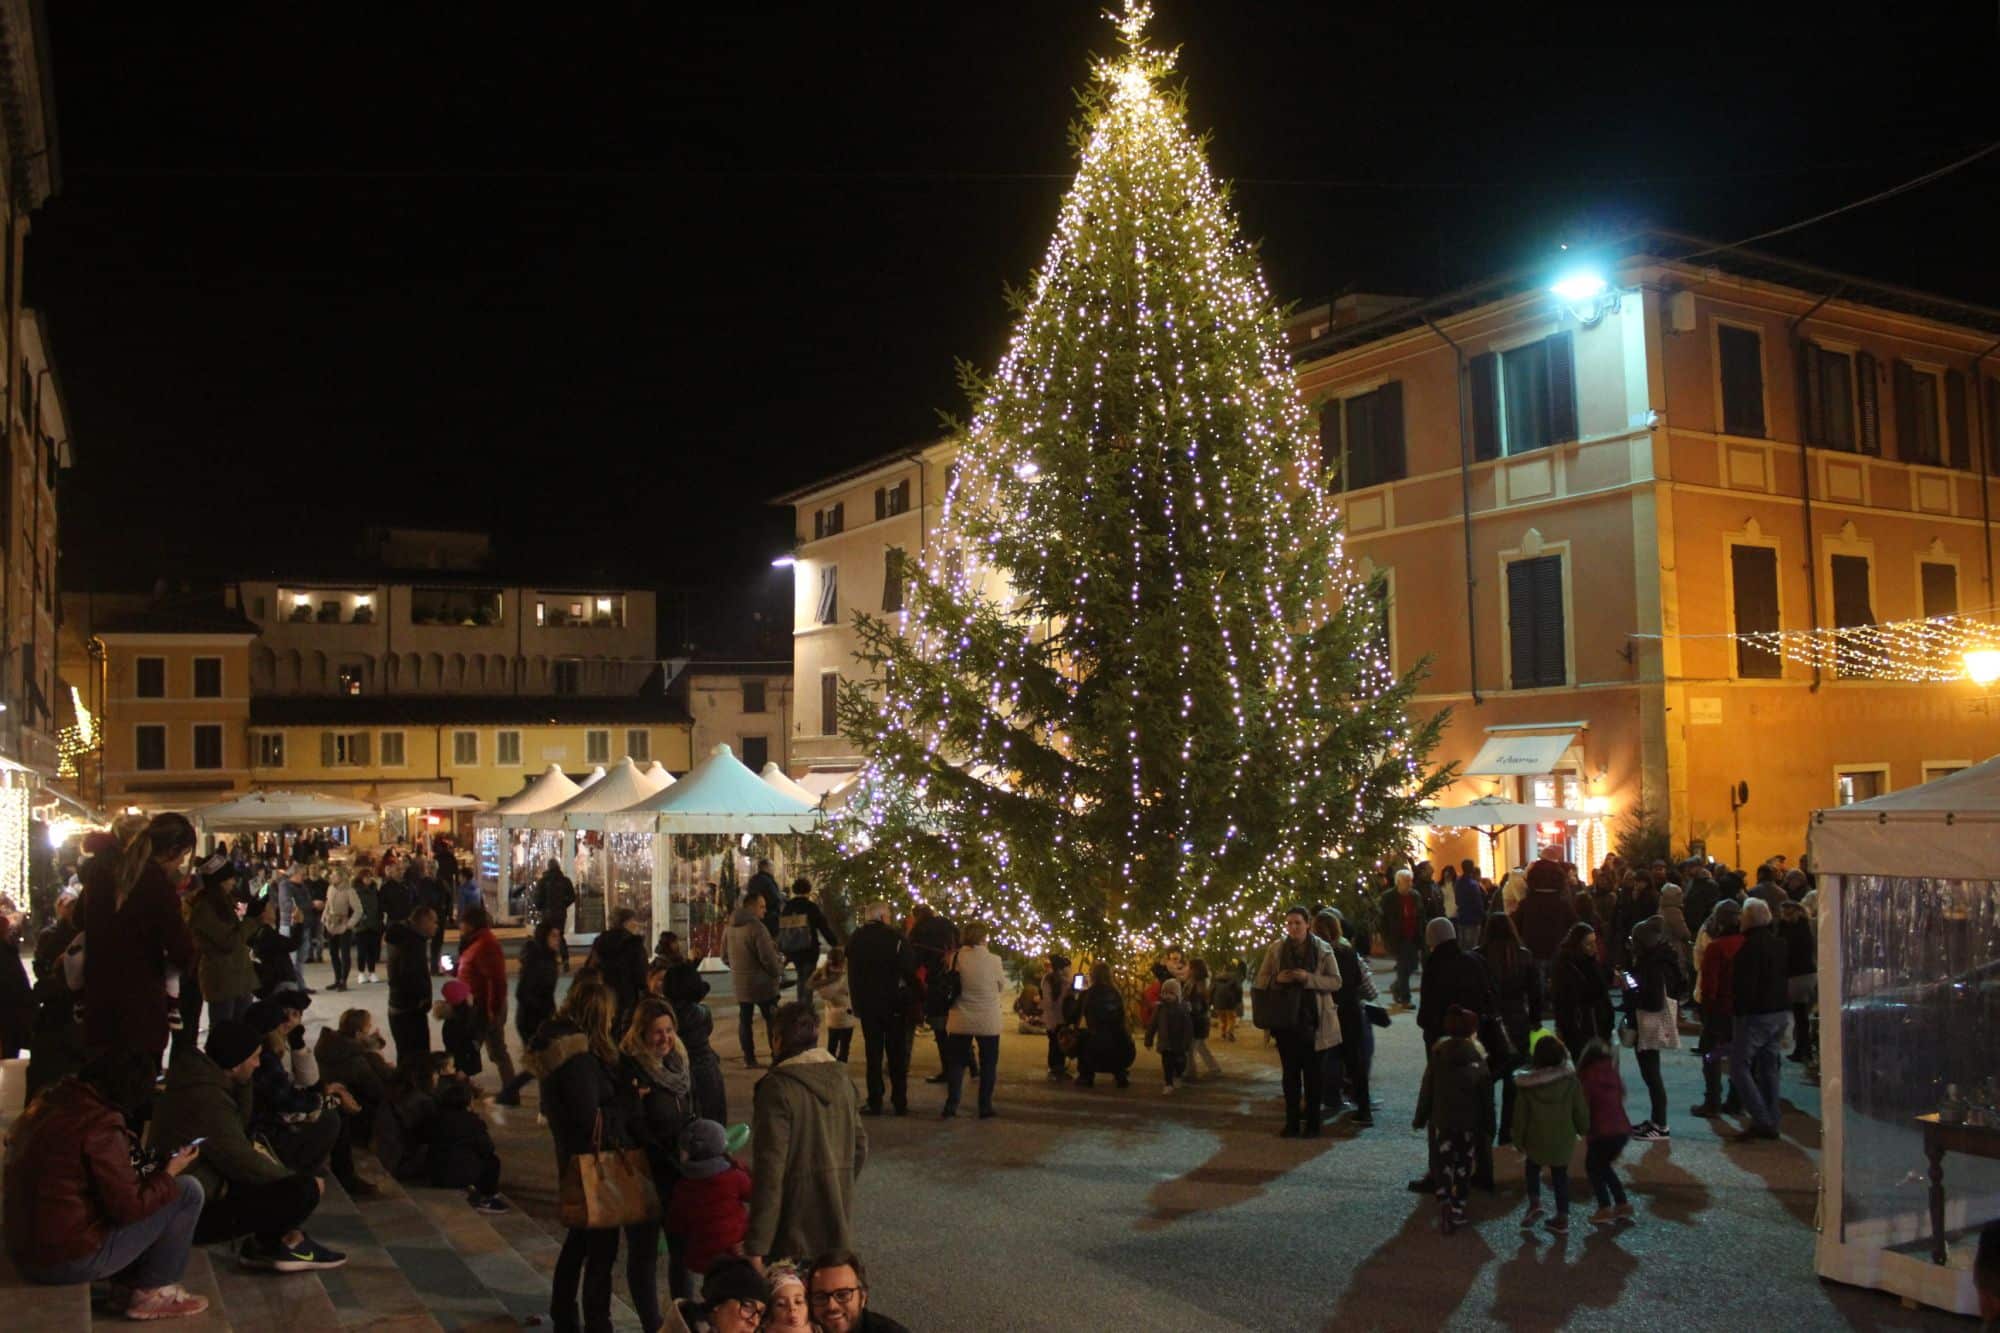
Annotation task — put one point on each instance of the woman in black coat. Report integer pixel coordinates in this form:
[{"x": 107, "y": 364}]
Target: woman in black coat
[
  {"x": 1107, "y": 1042},
  {"x": 655, "y": 1070},
  {"x": 1582, "y": 995},
  {"x": 621, "y": 960},
  {"x": 684, "y": 990},
  {"x": 577, "y": 1061},
  {"x": 1517, "y": 992},
  {"x": 534, "y": 998}
]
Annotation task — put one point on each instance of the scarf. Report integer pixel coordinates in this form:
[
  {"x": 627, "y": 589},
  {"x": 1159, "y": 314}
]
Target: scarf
[
  {"x": 1300, "y": 954},
  {"x": 670, "y": 1074}
]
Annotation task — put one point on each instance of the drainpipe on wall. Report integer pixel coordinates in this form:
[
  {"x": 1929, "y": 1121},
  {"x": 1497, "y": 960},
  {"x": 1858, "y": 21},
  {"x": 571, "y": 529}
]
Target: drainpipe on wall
[
  {"x": 1980, "y": 447},
  {"x": 1465, "y": 513},
  {"x": 1805, "y": 475}
]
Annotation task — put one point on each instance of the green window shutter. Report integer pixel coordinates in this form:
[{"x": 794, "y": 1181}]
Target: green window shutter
[{"x": 1484, "y": 372}]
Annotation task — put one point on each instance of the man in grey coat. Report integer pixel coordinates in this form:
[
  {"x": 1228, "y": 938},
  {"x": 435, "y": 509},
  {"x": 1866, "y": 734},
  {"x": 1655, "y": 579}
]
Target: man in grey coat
[{"x": 756, "y": 969}]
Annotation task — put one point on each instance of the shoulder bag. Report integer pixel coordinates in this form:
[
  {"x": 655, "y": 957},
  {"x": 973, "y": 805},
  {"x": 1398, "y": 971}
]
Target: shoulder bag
[
  {"x": 603, "y": 1189},
  {"x": 1276, "y": 1008}
]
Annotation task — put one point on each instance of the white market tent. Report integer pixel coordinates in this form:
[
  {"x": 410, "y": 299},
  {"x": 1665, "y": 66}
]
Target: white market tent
[
  {"x": 625, "y": 784},
  {"x": 278, "y": 809},
  {"x": 1492, "y": 812},
  {"x": 782, "y": 784},
  {"x": 551, "y": 788},
  {"x": 430, "y": 800},
  {"x": 1908, "y": 922},
  {"x": 500, "y": 841}
]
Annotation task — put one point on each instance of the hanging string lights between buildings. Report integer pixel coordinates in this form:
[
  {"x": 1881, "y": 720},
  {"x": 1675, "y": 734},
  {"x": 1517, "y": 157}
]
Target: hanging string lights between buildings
[{"x": 1940, "y": 650}]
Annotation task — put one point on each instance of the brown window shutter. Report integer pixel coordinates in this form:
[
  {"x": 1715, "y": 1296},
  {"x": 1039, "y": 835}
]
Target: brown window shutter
[
  {"x": 881, "y": 502},
  {"x": 1485, "y": 389},
  {"x": 1562, "y": 387},
  {"x": 1992, "y": 427},
  {"x": 1390, "y": 459},
  {"x": 327, "y": 758},
  {"x": 1955, "y": 420},
  {"x": 1940, "y": 589},
  {"x": 357, "y": 747},
  {"x": 1741, "y": 356},
  {"x": 1908, "y": 447},
  {"x": 1330, "y": 413},
  {"x": 1868, "y": 431},
  {"x": 1812, "y": 422},
  {"x": 1754, "y": 576}
]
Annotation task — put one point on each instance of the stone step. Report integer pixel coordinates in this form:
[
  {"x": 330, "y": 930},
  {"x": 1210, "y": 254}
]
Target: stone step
[
  {"x": 254, "y": 1300},
  {"x": 64, "y": 1309},
  {"x": 199, "y": 1279}
]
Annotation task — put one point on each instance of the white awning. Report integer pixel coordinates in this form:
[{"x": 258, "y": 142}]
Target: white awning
[
  {"x": 1513, "y": 756},
  {"x": 820, "y": 781}
]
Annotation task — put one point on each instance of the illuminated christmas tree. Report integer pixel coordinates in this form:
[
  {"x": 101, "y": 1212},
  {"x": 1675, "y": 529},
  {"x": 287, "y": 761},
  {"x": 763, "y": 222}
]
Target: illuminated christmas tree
[{"x": 1137, "y": 694}]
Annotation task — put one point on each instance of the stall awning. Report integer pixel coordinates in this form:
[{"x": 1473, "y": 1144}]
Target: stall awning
[
  {"x": 820, "y": 781},
  {"x": 1519, "y": 756}
]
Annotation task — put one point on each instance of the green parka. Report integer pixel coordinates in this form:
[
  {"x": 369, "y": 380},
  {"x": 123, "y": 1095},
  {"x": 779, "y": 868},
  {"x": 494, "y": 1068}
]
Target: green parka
[{"x": 1550, "y": 1115}]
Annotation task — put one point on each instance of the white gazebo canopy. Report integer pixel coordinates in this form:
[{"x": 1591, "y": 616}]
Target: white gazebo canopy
[
  {"x": 1948, "y": 828},
  {"x": 1492, "y": 812},
  {"x": 430, "y": 800},
  {"x": 656, "y": 772},
  {"x": 775, "y": 776},
  {"x": 276, "y": 809},
  {"x": 720, "y": 795},
  {"x": 624, "y": 785},
  {"x": 551, "y": 789}
]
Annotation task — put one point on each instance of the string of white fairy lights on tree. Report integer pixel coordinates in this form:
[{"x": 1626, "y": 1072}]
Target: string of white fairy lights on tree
[{"x": 1936, "y": 650}]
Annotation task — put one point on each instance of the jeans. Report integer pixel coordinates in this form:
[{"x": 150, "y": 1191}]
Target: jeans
[
  {"x": 1656, "y": 1087},
  {"x": 1409, "y": 954},
  {"x": 1558, "y": 1182},
  {"x": 587, "y": 1256},
  {"x": 804, "y": 963},
  {"x": 745, "y": 1033},
  {"x": 890, "y": 1037},
  {"x": 957, "y": 1054},
  {"x": 1357, "y": 1055},
  {"x": 310, "y": 936},
  {"x": 412, "y": 1034},
  {"x": 1302, "y": 1075},
  {"x": 1756, "y": 1062},
  {"x": 149, "y": 1253},
  {"x": 1199, "y": 1056},
  {"x": 367, "y": 950},
  {"x": 839, "y": 1041},
  {"x": 341, "y": 949},
  {"x": 267, "y": 1210},
  {"x": 1598, "y": 1155}
]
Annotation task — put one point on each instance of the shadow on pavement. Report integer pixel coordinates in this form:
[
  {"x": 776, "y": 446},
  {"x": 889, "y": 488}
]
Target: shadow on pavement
[
  {"x": 1238, "y": 1172},
  {"x": 1551, "y": 1277},
  {"x": 1417, "y": 1269},
  {"x": 1787, "y": 1171},
  {"x": 1672, "y": 1193}
]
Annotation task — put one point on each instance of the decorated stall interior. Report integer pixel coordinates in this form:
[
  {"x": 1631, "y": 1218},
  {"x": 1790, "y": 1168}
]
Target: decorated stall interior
[
  {"x": 509, "y": 854},
  {"x": 581, "y": 818}
]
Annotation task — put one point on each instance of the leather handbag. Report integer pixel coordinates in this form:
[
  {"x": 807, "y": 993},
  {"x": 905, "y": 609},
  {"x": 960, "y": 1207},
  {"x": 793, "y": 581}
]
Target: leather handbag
[
  {"x": 603, "y": 1189},
  {"x": 1276, "y": 1008}
]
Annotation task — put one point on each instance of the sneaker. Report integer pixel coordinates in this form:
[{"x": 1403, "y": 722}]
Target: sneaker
[
  {"x": 1364, "y": 1120},
  {"x": 1604, "y": 1216},
  {"x": 1532, "y": 1216},
  {"x": 1623, "y": 1212},
  {"x": 306, "y": 1256},
  {"x": 1167, "y": 1091},
  {"x": 1705, "y": 1111},
  {"x": 489, "y": 1204},
  {"x": 252, "y": 1254},
  {"x": 1558, "y": 1225},
  {"x": 1652, "y": 1133},
  {"x": 169, "y": 1302},
  {"x": 872, "y": 1108}
]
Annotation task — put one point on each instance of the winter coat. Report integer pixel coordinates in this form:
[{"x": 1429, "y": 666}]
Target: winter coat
[
  {"x": 830, "y": 988},
  {"x": 70, "y": 1179},
  {"x": 1469, "y": 906},
  {"x": 1171, "y": 1028},
  {"x": 1582, "y": 1000},
  {"x": 1357, "y": 987},
  {"x": 656, "y": 1114},
  {"x": 977, "y": 1012},
  {"x": 225, "y": 968},
  {"x": 554, "y": 896},
  {"x": 1543, "y": 918},
  {"x": 357, "y": 1067},
  {"x": 458, "y": 1145},
  {"x": 369, "y": 921},
  {"x": 1762, "y": 972},
  {"x": 1453, "y": 977},
  {"x": 534, "y": 989},
  {"x": 277, "y": 1101},
  {"x": 1604, "y": 1094},
  {"x": 764, "y": 886},
  {"x": 273, "y": 954},
  {"x": 621, "y": 958},
  {"x": 931, "y": 942},
  {"x": 1323, "y": 980},
  {"x": 805, "y": 1131},
  {"x": 577, "y": 1091},
  {"x": 711, "y": 1215},
  {"x": 1396, "y": 930},
  {"x": 755, "y": 965},
  {"x": 697, "y": 1031},
  {"x": 878, "y": 966},
  {"x": 1550, "y": 1114},
  {"x": 1517, "y": 1000},
  {"x": 1801, "y": 950},
  {"x": 1718, "y": 977},
  {"x": 1107, "y": 1045},
  {"x": 202, "y": 1102},
  {"x": 1657, "y": 970},
  {"x": 409, "y": 967},
  {"x": 1229, "y": 994},
  {"x": 801, "y": 914},
  {"x": 1454, "y": 1087},
  {"x": 343, "y": 910},
  {"x": 17, "y": 996},
  {"x": 483, "y": 967},
  {"x": 403, "y": 1133},
  {"x": 127, "y": 954},
  {"x": 463, "y": 1028},
  {"x": 397, "y": 900},
  {"x": 1198, "y": 1005}
]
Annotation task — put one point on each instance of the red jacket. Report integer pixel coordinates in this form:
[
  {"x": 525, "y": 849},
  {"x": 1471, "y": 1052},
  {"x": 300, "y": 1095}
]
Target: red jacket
[
  {"x": 484, "y": 968},
  {"x": 711, "y": 1215},
  {"x": 70, "y": 1178},
  {"x": 1718, "y": 977},
  {"x": 1604, "y": 1093}
]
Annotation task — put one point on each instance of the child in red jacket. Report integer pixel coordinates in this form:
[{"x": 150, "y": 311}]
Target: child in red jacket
[
  {"x": 709, "y": 1210},
  {"x": 1604, "y": 1093}
]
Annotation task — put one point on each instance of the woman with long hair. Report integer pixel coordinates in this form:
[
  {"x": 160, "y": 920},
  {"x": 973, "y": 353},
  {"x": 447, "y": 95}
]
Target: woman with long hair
[
  {"x": 1107, "y": 1043},
  {"x": 1580, "y": 990},
  {"x": 656, "y": 1068},
  {"x": 1298, "y": 958},
  {"x": 134, "y": 934},
  {"x": 534, "y": 997},
  {"x": 576, "y": 1059},
  {"x": 225, "y": 966},
  {"x": 1517, "y": 993},
  {"x": 339, "y": 921}
]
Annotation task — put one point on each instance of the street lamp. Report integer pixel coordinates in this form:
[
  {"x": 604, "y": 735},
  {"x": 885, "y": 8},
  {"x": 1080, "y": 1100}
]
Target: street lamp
[
  {"x": 784, "y": 562},
  {"x": 1982, "y": 666}
]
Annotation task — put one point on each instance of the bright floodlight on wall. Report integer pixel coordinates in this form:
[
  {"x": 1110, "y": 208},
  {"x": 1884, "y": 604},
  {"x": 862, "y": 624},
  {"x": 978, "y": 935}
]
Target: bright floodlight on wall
[
  {"x": 1982, "y": 665},
  {"x": 784, "y": 562},
  {"x": 1579, "y": 286}
]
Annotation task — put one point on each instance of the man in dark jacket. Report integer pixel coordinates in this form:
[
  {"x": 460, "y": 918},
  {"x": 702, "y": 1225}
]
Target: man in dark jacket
[
  {"x": 1455, "y": 978},
  {"x": 427, "y": 890},
  {"x": 764, "y": 885},
  {"x": 1546, "y": 914},
  {"x": 800, "y": 928},
  {"x": 554, "y": 896},
  {"x": 933, "y": 938},
  {"x": 397, "y": 899},
  {"x": 1762, "y": 1013},
  {"x": 878, "y": 967},
  {"x": 1403, "y": 918},
  {"x": 407, "y": 946}
]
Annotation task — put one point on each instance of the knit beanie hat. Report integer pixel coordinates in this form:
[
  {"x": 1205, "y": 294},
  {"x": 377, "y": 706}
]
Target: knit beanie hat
[
  {"x": 704, "y": 1150},
  {"x": 264, "y": 1017},
  {"x": 231, "y": 1042},
  {"x": 456, "y": 992}
]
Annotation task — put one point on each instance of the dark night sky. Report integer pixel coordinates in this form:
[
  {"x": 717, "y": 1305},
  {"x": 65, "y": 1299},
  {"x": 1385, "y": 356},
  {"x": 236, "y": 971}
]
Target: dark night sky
[{"x": 607, "y": 279}]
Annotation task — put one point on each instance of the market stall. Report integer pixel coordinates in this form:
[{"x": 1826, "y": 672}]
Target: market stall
[
  {"x": 775, "y": 778},
  {"x": 720, "y": 812},
  {"x": 420, "y": 816},
  {"x": 1908, "y": 921},
  {"x": 262, "y": 811},
  {"x": 510, "y": 855},
  {"x": 598, "y": 889}
]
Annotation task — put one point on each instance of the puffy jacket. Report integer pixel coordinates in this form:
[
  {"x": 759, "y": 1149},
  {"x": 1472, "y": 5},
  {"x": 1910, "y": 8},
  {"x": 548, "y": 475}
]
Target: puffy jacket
[
  {"x": 70, "y": 1179},
  {"x": 1454, "y": 1087},
  {"x": 409, "y": 968},
  {"x": 1762, "y": 965},
  {"x": 1171, "y": 1028},
  {"x": 483, "y": 967},
  {"x": 1550, "y": 1115},
  {"x": 359, "y": 1068},
  {"x": 225, "y": 967},
  {"x": 577, "y": 1089},
  {"x": 711, "y": 1215},
  {"x": 1718, "y": 977},
  {"x": 202, "y": 1102},
  {"x": 1543, "y": 918},
  {"x": 755, "y": 965},
  {"x": 977, "y": 1011},
  {"x": 830, "y": 988},
  {"x": 1604, "y": 1094},
  {"x": 805, "y": 1131},
  {"x": 1453, "y": 977}
]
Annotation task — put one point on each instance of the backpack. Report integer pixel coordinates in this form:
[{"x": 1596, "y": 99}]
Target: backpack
[{"x": 795, "y": 933}]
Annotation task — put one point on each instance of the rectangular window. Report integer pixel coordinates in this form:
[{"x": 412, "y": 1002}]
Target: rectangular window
[
  {"x": 1537, "y": 640},
  {"x": 566, "y": 675},
  {"x": 343, "y": 749},
  {"x": 1741, "y": 354},
  {"x": 271, "y": 749},
  {"x": 753, "y": 696},
  {"x": 393, "y": 749},
  {"x": 1524, "y": 398},
  {"x": 208, "y": 678},
  {"x": 1860, "y": 784},
  {"x": 149, "y": 753},
  {"x": 208, "y": 745},
  {"x": 828, "y": 611},
  {"x": 464, "y": 748},
  {"x": 596, "y": 747},
  {"x": 1852, "y": 609},
  {"x": 348, "y": 681},
  {"x": 1919, "y": 415},
  {"x": 899, "y": 498},
  {"x": 830, "y": 521},
  {"x": 541, "y": 614},
  {"x": 150, "y": 678},
  {"x": 507, "y": 748},
  {"x": 1753, "y": 573},
  {"x": 1837, "y": 391},
  {"x": 1940, "y": 588},
  {"x": 756, "y": 752},
  {"x": 892, "y": 579},
  {"x": 472, "y": 607},
  {"x": 829, "y": 703},
  {"x": 639, "y": 745},
  {"x": 1361, "y": 438}
]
